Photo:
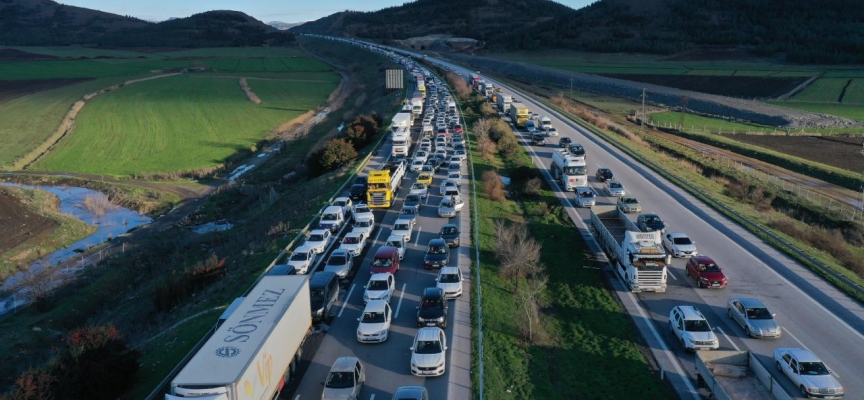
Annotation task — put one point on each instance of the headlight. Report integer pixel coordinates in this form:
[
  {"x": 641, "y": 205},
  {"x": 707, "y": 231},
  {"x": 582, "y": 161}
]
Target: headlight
[
  {"x": 441, "y": 364},
  {"x": 440, "y": 319},
  {"x": 420, "y": 319}
]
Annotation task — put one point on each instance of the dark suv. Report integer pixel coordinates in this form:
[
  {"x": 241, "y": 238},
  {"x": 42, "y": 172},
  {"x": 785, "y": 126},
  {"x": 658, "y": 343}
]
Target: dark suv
[
  {"x": 450, "y": 234},
  {"x": 433, "y": 308},
  {"x": 564, "y": 142},
  {"x": 603, "y": 174},
  {"x": 358, "y": 189},
  {"x": 437, "y": 254}
]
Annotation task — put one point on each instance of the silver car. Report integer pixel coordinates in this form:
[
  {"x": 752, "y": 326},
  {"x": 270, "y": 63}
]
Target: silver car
[
  {"x": 754, "y": 317},
  {"x": 614, "y": 188},
  {"x": 345, "y": 379}
]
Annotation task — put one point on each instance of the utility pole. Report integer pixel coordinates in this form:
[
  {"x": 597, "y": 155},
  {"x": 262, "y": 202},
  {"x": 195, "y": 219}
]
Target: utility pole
[{"x": 642, "y": 117}]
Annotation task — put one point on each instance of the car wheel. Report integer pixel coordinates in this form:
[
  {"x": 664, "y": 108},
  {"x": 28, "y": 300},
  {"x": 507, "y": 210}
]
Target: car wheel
[
  {"x": 777, "y": 364},
  {"x": 804, "y": 392},
  {"x": 747, "y": 331},
  {"x": 729, "y": 312}
]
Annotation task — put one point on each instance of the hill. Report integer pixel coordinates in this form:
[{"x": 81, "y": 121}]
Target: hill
[
  {"x": 48, "y": 23},
  {"x": 802, "y": 31}
]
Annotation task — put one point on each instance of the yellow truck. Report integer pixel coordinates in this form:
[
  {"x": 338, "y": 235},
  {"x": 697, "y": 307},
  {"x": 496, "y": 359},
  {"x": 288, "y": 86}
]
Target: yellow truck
[
  {"x": 383, "y": 185},
  {"x": 519, "y": 114}
]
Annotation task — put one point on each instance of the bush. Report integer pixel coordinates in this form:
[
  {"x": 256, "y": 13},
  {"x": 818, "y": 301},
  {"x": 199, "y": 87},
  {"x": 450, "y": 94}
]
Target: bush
[
  {"x": 508, "y": 146},
  {"x": 749, "y": 193},
  {"x": 336, "y": 153},
  {"x": 33, "y": 384},
  {"x": 96, "y": 365},
  {"x": 499, "y": 129},
  {"x": 493, "y": 186},
  {"x": 534, "y": 188}
]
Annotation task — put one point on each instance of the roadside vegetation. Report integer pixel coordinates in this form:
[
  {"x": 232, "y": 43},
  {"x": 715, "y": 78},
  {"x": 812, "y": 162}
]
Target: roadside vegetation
[
  {"x": 164, "y": 293},
  {"x": 552, "y": 329}
]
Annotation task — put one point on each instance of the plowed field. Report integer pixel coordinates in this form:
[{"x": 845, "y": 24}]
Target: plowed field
[
  {"x": 734, "y": 86},
  {"x": 19, "y": 224},
  {"x": 841, "y": 152}
]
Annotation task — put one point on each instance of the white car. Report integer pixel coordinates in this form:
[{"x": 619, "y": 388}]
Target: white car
[
  {"x": 374, "y": 326},
  {"x": 354, "y": 242},
  {"x": 417, "y": 165},
  {"x": 456, "y": 177},
  {"x": 461, "y": 154},
  {"x": 421, "y": 155},
  {"x": 318, "y": 240},
  {"x": 679, "y": 244},
  {"x": 302, "y": 259},
  {"x": 450, "y": 205},
  {"x": 691, "y": 328},
  {"x": 399, "y": 243},
  {"x": 419, "y": 189},
  {"x": 450, "y": 281},
  {"x": 428, "y": 354},
  {"x": 345, "y": 203},
  {"x": 809, "y": 374},
  {"x": 551, "y": 132},
  {"x": 454, "y": 159},
  {"x": 426, "y": 146},
  {"x": 361, "y": 210},
  {"x": 447, "y": 184},
  {"x": 379, "y": 287},
  {"x": 404, "y": 228},
  {"x": 364, "y": 225},
  {"x": 614, "y": 188},
  {"x": 345, "y": 380}
]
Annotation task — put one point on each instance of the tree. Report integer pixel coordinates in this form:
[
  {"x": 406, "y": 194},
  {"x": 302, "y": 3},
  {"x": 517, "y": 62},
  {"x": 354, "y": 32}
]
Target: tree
[
  {"x": 33, "y": 384},
  {"x": 485, "y": 145},
  {"x": 96, "y": 364},
  {"x": 36, "y": 284},
  {"x": 336, "y": 153},
  {"x": 517, "y": 252},
  {"x": 527, "y": 297}
]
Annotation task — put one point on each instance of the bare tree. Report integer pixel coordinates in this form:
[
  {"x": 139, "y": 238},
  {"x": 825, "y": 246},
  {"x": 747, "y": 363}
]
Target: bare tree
[
  {"x": 485, "y": 145},
  {"x": 530, "y": 326},
  {"x": 35, "y": 284},
  {"x": 517, "y": 252}
]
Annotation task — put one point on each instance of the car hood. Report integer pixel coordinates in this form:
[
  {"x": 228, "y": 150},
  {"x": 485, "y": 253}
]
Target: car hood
[
  {"x": 765, "y": 325},
  {"x": 820, "y": 381},
  {"x": 427, "y": 360},
  {"x": 418, "y": 191},
  {"x": 364, "y": 215},
  {"x": 713, "y": 276},
  {"x": 701, "y": 336},
  {"x": 367, "y": 329},
  {"x": 449, "y": 287},
  {"x": 298, "y": 264},
  {"x": 335, "y": 268},
  {"x": 684, "y": 247},
  {"x": 349, "y": 246},
  {"x": 449, "y": 238},
  {"x": 435, "y": 257},
  {"x": 430, "y": 313},
  {"x": 375, "y": 294},
  {"x": 399, "y": 232},
  {"x": 364, "y": 230},
  {"x": 337, "y": 394}
]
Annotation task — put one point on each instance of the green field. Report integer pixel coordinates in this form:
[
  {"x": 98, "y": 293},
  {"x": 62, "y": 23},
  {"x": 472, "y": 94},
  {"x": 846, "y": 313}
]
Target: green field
[
  {"x": 179, "y": 123},
  {"x": 824, "y": 90},
  {"x": 851, "y": 111},
  {"x": 855, "y": 92}
]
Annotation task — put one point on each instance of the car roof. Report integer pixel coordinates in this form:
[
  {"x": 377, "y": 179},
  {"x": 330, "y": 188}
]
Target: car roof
[
  {"x": 691, "y": 313},
  {"x": 449, "y": 270},
  {"x": 409, "y": 391},
  {"x": 703, "y": 260},
  {"x": 339, "y": 252},
  {"x": 354, "y": 234},
  {"x": 612, "y": 181},
  {"x": 749, "y": 302},
  {"x": 302, "y": 248},
  {"x": 343, "y": 198},
  {"x": 375, "y": 306},
  {"x": 344, "y": 364},
  {"x": 318, "y": 231},
  {"x": 405, "y": 220},
  {"x": 381, "y": 276},
  {"x": 677, "y": 234},
  {"x": 333, "y": 209},
  {"x": 436, "y": 242},
  {"x": 428, "y": 333},
  {"x": 802, "y": 355},
  {"x": 449, "y": 226},
  {"x": 650, "y": 215},
  {"x": 385, "y": 251},
  {"x": 433, "y": 292},
  {"x": 397, "y": 238},
  {"x": 364, "y": 218},
  {"x": 321, "y": 278}
]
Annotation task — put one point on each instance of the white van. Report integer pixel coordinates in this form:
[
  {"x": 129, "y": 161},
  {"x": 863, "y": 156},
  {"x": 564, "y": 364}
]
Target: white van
[{"x": 332, "y": 218}]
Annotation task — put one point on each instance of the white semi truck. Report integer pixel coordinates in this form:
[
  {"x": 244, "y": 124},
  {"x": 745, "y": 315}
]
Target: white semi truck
[
  {"x": 568, "y": 170},
  {"x": 252, "y": 353},
  {"x": 401, "y": 120},
  {"x": 504, "y": 102},
  {"x": 638, "y": 257},
  {"x": 401, "y": 138}
]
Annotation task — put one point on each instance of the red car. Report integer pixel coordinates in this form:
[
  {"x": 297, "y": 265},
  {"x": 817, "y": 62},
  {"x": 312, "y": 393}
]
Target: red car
[
  {"x": 457, "y": 128},
  {"x": 705, "y": 272}
]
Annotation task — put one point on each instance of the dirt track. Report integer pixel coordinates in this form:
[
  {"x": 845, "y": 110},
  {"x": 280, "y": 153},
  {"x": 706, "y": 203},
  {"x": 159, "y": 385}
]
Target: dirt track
[{"x": 248, "y": 91}]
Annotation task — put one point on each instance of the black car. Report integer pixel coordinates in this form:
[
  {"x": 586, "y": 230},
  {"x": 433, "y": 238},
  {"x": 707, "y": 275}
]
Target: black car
[
  {"x": 650, "y": 223},
  {"x": 412, "y": 200},
  {"x": 450, "y": 234},
  {"x": 603, "y": 174},
  {"x": 564, "y": 141},
  {"x": 359, "y": 188},
  {"x": 433, "y": 308},
  {"x": 437, "y": 254}
]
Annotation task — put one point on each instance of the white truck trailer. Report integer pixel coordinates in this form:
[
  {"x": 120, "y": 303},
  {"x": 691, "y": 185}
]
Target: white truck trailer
[
  {"x": 401, "y": 120},
  {"x": 638, "y": 257},
  {"x": 568, "y": 170},
  {"x": 733, "y": 375},
  {"x": 504, "y": 102},
  {"x": 251, "y": 355},
  {"x": 401, "y": 140}
]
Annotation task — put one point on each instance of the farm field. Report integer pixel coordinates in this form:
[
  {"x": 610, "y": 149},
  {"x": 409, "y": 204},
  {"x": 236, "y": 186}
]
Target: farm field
[
  {"x": 724, "y": 85},
  {"x": 179, "y": 123},
  {"x": 851, "y": 111},
  {"x": 837, "y": 151},
  {"x": 826, "y": 90}
]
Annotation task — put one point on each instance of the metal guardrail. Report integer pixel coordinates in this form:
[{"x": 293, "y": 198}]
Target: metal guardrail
[{"x": 160, "y": 388}]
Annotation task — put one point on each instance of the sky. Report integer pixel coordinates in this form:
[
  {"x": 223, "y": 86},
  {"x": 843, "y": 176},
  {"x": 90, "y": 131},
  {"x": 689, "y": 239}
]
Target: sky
[{"x": 264, "y": 10}]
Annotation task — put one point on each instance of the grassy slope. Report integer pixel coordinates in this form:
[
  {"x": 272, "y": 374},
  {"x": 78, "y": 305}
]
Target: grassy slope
[
  {"x": 851, "y": 111},
  {"x": 27, "y": 121},
  {"x": 822, "y": 90},
  {"x": 174, "y": 124},
  {"x": 590, "y": 336}
]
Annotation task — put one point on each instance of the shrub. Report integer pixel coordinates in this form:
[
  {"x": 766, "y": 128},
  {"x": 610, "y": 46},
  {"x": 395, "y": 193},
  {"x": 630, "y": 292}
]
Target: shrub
[
  {"x": 33, "y": 384},
  {"x": 749, "y": 193},
  {"x": 336, "y": 153},
  {"x": 508, "y": 146},
  {"x": 499, "y": 129},
  {"x": 96, "y": 364},
  {"x": 534, "y": 188},
  {"x": 493, "y": 186}
]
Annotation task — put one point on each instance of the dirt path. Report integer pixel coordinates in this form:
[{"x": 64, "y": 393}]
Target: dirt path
[
  {"x": 248, "y": 91},
  {"x": 68, "y": 122}
]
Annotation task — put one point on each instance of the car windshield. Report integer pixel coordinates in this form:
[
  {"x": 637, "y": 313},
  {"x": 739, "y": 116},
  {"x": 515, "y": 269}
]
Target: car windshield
[
  {"x": 418, "y": 186},
  {"x": 614, "y": 185},
  {"x": 449, "y": 231},
  {"x": 299, "y": 256},
  {"x": 813, "y": 368},
  {"x": 682, "y": 240},
  {"x": 351, "y": 240},
  {"x": 758, "y": 313},
  {"x": 341, "y": 203},
  {"x": 361, "y": 209},
  {"x": 363, "y": 224},
  {"x": 382, "y": 262},
  {"x": 427, "y": 347},
  {"x": 316, "y": 294},
  {"x": 408, "y": 211},
  {"x": 337, "y": 260},
  {"x": 698, "y": 325},
  {"x": 586, "y": 193},
  {"x": 401, "y": 227},
  {"x": 395, "y": 243},
  {"x": 449, "y": 278},
  {"x": 340, "y": 380},
  {"x": 629, "y": 200},
  {"x": 316, "y": 237},
  {"x": 328, "y": 217},
  {"x": 437, "y": 250},
  {"x": 377, "y": 285},
  {"x": 709, "y": 267},
  {"x": 373, "y": 317},
  {"x": 431, "y": 303}
]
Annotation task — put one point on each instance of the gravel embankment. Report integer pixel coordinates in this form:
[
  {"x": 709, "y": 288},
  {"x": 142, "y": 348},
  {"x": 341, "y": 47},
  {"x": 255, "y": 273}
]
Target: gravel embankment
[{"x": 698, "y": 103}]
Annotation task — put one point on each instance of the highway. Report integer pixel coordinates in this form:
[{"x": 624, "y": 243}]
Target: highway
[
  {"x": 388, "y": 364},
  {"x": 812, "y": 313}
]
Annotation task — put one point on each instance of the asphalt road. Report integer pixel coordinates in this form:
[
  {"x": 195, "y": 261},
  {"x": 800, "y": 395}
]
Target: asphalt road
[
  {"x": 813, "y": 314},
  {"x": 388, "y": 364}
]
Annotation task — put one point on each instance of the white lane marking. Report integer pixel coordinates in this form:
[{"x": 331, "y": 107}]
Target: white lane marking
[
  {"x": 297, "y": 398},
  {"x": 372, "y": 397},
  {"x": 728, "y": 338},
  {"x": 345, "y": 303},
  {"x": 378, "y": 235},
  {"x": 417, "y": 242},
  {"x": 401, "y": 295},
  {"x": 808, "y": 349}
]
